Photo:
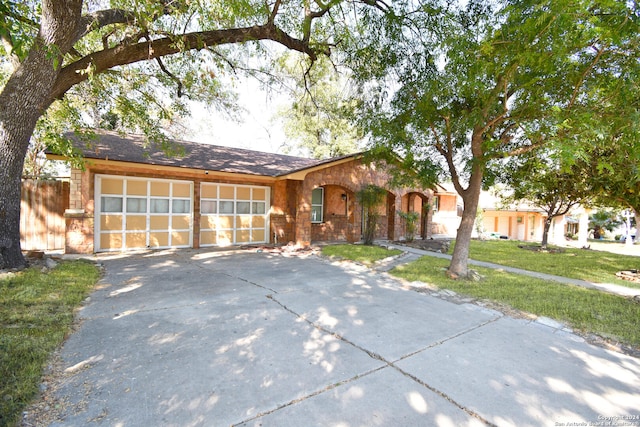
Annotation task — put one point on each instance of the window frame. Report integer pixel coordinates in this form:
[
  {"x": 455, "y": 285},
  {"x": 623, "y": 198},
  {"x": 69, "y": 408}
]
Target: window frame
[{"x": 316, "y": 205}]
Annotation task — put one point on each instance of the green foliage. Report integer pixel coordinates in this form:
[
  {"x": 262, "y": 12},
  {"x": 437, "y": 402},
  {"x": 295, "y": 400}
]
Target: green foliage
[
  {"x": 360, "y": 253},
  {"x": 600, "y": 133},
  {"x": 602, "y": 221},
  {"x": 153, "y": 97},
  {"x": 320, "y": 120},
  {"x": 461, "y": 86},
  {"x": 18, "y": 27},
  {"x": 538, "y": 178},
  {"x": 410, "y": 224},
  {"x": 370, "y": 198},
  {"x": 36, "y": 313}
]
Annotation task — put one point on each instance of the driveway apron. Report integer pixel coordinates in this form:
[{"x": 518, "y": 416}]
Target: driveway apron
[{"x": 220, "y": 338}]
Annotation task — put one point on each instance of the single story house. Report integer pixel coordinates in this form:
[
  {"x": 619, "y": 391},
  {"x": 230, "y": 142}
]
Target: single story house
[
  {"x": 131, "y": 195},
  {"x": 519, "y": 221},
  {"x": 523, "y": 221}
]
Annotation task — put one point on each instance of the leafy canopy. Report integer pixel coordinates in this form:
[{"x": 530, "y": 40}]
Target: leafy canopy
[{"x": 460, "y": 86}]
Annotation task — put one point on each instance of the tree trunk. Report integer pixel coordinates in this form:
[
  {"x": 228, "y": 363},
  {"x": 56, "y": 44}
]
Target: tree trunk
[
  {"x": 23, "y": 99},
  {"x": 471, "y": 197},
  {"x": 545, "y": 232},
  {"x": 636, "y": 214}
]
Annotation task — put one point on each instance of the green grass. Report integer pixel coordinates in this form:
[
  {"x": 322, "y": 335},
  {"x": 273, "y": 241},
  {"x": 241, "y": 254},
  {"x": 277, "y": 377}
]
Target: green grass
[
  {"x": 584, "y": 310},
  {"x": 359, "y": 253},
  {"x": 589, "y": 265},
  {"x": 36, "y": 313}
]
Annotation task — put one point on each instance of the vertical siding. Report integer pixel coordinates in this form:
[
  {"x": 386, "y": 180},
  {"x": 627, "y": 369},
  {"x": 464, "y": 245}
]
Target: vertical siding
[{"x": 42, "y": 206}]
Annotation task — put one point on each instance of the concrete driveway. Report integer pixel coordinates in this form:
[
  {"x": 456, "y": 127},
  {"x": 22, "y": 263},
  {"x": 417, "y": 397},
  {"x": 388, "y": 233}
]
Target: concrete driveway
[{"x": 211, "y": 338}]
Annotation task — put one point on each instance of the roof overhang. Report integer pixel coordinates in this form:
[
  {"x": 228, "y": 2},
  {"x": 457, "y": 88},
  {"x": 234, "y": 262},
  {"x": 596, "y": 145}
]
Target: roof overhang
[
  {"x": 116, "y": 165},
  {"x": 301, "y": 174}
]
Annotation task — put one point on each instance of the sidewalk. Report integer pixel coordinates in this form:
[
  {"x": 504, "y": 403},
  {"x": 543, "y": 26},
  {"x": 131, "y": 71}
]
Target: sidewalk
[{"x": 606, "y": 287}]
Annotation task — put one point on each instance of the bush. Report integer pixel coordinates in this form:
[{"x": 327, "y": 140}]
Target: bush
[
  {"x": 410, "y": 224},
  {"x": 370, "y": 197}
]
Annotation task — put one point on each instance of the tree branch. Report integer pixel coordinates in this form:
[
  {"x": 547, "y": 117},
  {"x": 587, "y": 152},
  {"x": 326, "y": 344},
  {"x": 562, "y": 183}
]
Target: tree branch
[
  {"x": 171, "y": 76},
  {"x": 448, "y": 155},
  {"x": 98, "y": 62},
  {"x": 378, "y": 4},
  {"x": 274, "y": 12},
  {"x": 576, "y": 89},
  {"x": 100, "y": 19},
  {"x": 310, "y": 16}
]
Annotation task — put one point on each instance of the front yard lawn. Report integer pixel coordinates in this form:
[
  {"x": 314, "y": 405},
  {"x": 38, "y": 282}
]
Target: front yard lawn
[
  {"x": 589, "y": 265},
  {"x": 36, "y": 314},
  {"x": 359, "y": 253}
]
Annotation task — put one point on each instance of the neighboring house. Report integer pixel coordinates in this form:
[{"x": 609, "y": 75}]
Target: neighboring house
[
  {"x": 522, "y": 221},
  {"x": 133, "y": 196},
  {"x": 447, "y": 211},
  {"x": 519, "y": 221}
]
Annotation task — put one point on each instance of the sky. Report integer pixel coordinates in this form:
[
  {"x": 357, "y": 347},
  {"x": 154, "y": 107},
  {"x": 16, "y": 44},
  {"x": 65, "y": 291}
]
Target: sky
[{"x": 258, "y": 129}]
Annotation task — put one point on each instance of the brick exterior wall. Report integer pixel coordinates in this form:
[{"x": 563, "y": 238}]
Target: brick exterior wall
[
  {"x": 349, "y": 177},
  {"x": 283, "y": 211},
  {"x": 79, "y": 234}
]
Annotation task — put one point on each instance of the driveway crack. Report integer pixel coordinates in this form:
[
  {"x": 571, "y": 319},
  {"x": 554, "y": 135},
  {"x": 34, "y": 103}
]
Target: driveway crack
[
  {"x": 242, "y": 279},
  {"x": 387, "y": 363},
  {"x": 315, "y": 393}
]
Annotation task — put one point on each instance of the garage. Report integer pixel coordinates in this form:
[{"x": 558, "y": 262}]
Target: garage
[
  {"x": 233, "y": 214},
  {"x": 140, "y": 213}
]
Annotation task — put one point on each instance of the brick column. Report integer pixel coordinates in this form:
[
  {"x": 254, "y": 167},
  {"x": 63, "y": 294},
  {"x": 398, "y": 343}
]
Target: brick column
[
  {"x": 303, "y": 216},
  {"x": 79, "y": 224},
  {"x": 75, "y": 189}
]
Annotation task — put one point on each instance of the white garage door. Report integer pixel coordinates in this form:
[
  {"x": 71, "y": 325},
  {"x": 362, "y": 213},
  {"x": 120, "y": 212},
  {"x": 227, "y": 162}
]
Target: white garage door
[
  {"x": 135, "y": 213},
  {"x": 233, "y": 214}
]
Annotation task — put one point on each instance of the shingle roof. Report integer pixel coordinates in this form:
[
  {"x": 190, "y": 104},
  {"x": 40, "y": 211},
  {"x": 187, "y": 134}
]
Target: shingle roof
[{"x": 134, "y": 148}]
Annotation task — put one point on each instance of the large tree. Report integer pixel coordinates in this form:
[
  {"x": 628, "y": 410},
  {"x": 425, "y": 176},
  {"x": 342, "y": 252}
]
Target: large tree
[
  {"x": 49, "y": 47},
  {"x": 462, "y": 86},
  {"x": 320, "y": 120}
]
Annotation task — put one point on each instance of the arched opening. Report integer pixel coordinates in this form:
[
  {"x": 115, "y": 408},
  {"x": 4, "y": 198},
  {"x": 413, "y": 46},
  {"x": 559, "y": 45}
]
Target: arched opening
[
  {"x": 386, "y": 218},
  {"x": 418, "y": 203}
]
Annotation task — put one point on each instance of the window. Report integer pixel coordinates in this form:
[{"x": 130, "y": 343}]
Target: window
[
  {"x": 436, "y": 203},
  {"x": 209, "y": 206},
  {"x": 159, "y": 205},
  {"x": 317, "y": 199},
  {"x": 258, "y": 208},
  {"x": 226, "y": 207},
  {"x": 180, "y": 206},
  {"x": 111, "y": 204},
  {"x": 136, "y": 205},
  {"x": 243, "y": 207}
]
